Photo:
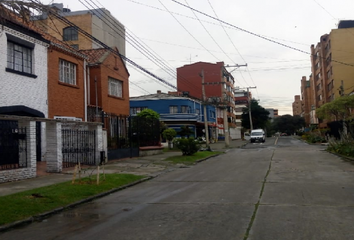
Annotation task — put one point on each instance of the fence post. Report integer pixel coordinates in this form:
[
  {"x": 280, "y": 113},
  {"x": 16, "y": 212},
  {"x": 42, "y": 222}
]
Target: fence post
[
  {"x": 98, "y": 143},
  {"x": 54, "y": 155},
  {"x": 31, "y": 147}
]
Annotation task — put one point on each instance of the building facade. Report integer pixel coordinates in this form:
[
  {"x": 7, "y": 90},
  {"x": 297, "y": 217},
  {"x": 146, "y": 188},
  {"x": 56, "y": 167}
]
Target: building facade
[
  {"x": 332, "y": 63},
  {"x": 306, "y": 101},
  {"x": 95, "y": 22},
  {"x": 297, "y": 110},
  {"x": 177, "y": 111},
  {"x": 218, "y": 86}
]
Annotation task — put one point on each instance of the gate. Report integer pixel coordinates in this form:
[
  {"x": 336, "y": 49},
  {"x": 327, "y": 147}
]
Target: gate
[
  {"x": 13, "y": 145},
  {"x": 78, "y": 146},
  {"x": 39, "y": 141}
]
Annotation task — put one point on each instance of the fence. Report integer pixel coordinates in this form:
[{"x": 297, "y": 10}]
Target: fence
[
  {"x": 13, "y": 145},
  {"x": 79, "y": 146}
]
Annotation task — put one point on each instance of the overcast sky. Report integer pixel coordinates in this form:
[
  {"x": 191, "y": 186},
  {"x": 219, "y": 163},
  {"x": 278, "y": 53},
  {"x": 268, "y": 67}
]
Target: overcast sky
[{"x": 176, "y": 35}]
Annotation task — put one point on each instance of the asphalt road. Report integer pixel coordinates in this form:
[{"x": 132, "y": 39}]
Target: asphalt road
[{"x": 282, "y": 189}]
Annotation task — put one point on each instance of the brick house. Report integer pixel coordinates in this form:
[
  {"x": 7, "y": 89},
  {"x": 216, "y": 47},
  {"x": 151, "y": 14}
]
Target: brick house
[
  {"x": 66, "y": 83},
  {"x": 108, "y": 86}
]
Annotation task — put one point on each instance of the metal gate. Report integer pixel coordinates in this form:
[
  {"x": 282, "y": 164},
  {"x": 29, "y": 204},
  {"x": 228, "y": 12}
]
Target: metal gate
[
  {"x": 13, "y": 145},
  {"x": 79, "y": 146}
]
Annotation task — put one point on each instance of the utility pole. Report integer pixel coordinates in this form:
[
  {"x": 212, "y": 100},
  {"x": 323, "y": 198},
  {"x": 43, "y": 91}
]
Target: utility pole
[
  {"x": 249, "y": 107},
  {"x": 205, "y": 111}
]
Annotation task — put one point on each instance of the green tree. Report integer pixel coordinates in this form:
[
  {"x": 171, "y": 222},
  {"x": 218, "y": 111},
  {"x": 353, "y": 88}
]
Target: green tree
[
  {"x": 146, "y": 128},
  {"x": 288, "y": 124},
  {"x": 259, "y": 115},
  {"x": 185, "y": 132},
  {"x": 148, "y": 114},
  {"x": 338, "y": 110},
  {"x": 169, "y": 134}
]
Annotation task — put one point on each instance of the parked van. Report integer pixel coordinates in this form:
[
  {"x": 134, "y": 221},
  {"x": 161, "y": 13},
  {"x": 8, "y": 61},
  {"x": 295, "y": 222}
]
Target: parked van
[{"x": 257, "y": 135}]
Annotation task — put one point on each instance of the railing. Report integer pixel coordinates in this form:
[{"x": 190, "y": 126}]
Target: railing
[{"x": 13, "y": 145}]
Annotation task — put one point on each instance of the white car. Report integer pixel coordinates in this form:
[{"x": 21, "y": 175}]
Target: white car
[{"x": 257, "y": 135}]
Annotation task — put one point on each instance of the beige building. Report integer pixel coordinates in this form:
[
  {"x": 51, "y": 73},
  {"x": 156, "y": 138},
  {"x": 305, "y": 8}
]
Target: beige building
[
  {"x": 97, "y": 22},
  {"x": 306, "y": 101},
  {"x": 332, "y": 61},
  {"x": 297, "y": 106}
]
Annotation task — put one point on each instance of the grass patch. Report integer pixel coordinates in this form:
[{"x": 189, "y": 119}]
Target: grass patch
[
  {"x": 25, "y": 204},
  {"x": 191, "y": 159}
]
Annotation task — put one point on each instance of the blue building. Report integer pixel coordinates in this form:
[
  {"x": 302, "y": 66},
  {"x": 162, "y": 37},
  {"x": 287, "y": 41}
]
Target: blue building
[{"x": 177, "y": 111}]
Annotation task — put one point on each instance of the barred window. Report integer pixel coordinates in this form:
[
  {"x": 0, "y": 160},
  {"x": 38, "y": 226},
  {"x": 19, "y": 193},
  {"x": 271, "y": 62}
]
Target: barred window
[
  {"x": 67, "y": 72},
  {"x": 115, "y": 87},
  {"x": 70, "y": 34},
  {"x": 185, "y": 109},
  {"x": 19, "y": 58}
]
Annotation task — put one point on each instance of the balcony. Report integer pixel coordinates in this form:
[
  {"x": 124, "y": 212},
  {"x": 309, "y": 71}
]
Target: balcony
[{"x": 191, "y": 117}]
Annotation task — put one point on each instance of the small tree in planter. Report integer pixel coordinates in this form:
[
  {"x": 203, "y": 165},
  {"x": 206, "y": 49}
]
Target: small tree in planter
[{"x": 169, "y": 134}]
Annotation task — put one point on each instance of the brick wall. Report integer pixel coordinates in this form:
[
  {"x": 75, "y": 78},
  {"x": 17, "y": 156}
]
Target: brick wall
[
  {"x": 64, "y": 99},
  {"x": 112, "y": 67}
]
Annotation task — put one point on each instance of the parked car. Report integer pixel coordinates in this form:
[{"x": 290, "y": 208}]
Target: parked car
[{"x": 257, "y": 135}]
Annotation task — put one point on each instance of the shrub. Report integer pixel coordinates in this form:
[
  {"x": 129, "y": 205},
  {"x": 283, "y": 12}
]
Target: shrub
[{"x": 188, "y": 146}]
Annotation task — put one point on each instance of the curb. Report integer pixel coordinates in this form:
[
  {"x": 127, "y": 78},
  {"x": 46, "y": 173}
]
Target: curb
[
  {"x": 44, "y": 215},
  {"x": 345, "y": 158}
]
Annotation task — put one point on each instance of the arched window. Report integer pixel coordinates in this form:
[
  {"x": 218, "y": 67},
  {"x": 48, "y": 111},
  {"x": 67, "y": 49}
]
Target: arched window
[{"x": 70, "y": 34}]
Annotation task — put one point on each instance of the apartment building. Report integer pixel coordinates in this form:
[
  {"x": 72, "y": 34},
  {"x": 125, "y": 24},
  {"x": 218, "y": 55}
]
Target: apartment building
[
  {"x": 307, "y": 111},
  {"x": 218, "y": 86},
  {"x": 332, "y": 61},
  {"x": 97, "y": 22},
  {"x": 297, "y": 106}
]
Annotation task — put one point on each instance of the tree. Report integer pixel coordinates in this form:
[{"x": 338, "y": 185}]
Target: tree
[
  {"x": 148, "y": 114},
  {"x": 288, "y": 124},
  {"x": 259, "y": 115},
  {"x": 169, "y": 134},
  {"x": 146, "y": 128},
  {"x": 338, "y": 110},
  {"x": 185, "y": 132}
]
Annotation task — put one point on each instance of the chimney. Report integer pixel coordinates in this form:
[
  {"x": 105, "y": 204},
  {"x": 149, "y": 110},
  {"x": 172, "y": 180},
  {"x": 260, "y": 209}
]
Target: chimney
[{"x": 158, "y": 91}]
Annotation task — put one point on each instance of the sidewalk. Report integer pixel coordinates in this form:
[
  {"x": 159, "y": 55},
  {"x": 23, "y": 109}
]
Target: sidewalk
[{"x": 147, "y": 166}]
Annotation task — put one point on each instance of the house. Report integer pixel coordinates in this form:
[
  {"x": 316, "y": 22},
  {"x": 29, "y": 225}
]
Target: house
[
  {"x": 108, "y": 82},
  {"x": 23, "y": 70},
  {"x": 177, "y": 111}
]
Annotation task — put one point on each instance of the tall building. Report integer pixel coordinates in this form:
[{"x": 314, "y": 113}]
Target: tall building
[
  {"x": 242, "y": 99},
  {"x": 297, "y": 106},
  {"x": 332, "y": 61},
  {"x": 306, "y": 101},
  {"x": 273, "y": 113},
  {"x": 97, "y": 22},
  {"x": 218, "y": 86}
]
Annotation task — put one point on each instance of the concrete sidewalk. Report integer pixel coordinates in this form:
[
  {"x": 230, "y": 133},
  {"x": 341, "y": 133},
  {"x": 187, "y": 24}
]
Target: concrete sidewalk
[{"x": 147, "y": 166}]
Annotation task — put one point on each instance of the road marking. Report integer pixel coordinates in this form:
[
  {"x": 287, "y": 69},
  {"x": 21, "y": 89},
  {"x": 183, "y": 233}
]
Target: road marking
[{"x": 276, "y": 141}]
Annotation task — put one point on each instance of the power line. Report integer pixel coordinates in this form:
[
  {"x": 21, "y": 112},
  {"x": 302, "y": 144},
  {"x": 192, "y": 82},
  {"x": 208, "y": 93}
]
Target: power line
[{"x": 255, "y": 34}]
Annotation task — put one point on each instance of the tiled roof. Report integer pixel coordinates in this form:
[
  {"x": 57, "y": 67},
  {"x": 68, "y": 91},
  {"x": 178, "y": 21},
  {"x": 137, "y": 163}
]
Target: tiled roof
[{"x": 96, "y": 55}]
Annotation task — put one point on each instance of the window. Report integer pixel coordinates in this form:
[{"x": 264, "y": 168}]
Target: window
[
  {"x": 70, "y": 34},
  {"x": 67, "y": 72},
  {"x": 173, "y": 109},
  {"x": 115, "y": 87},
  {"x": 19, "y": 58},
  {"x": 136, "y": 110},
  {"x": 185, "y": 109}
]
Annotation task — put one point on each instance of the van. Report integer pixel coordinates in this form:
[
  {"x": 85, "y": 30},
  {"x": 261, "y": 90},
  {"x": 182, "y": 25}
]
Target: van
[{"x": 257, "y": 135}]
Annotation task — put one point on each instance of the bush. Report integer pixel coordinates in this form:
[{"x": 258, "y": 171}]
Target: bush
[
  {"x": 188, "y": 146},
  {"x": 314, "y": 137}
]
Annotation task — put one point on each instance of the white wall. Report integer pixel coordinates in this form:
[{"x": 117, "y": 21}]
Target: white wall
[{"x": 17, "y": 89}]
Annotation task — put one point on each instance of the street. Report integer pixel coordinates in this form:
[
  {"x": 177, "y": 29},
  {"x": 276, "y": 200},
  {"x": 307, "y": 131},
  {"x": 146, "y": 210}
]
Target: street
[{"x": 280, "y": 189}]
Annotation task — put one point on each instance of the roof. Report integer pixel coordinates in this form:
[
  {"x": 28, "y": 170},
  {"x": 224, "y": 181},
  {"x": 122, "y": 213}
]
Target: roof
[
  {"x": 158, "y": 96},
  {"x": 96, "y": 56}
]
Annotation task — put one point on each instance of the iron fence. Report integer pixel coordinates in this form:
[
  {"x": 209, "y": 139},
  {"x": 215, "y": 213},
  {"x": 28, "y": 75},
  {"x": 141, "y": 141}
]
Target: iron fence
[
  {"x": 78, "y": 146},
  {"x": 13, "y": 145}
]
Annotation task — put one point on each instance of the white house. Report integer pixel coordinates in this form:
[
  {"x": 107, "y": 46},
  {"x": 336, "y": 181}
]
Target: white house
[{"x": 23, "y": 70}]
